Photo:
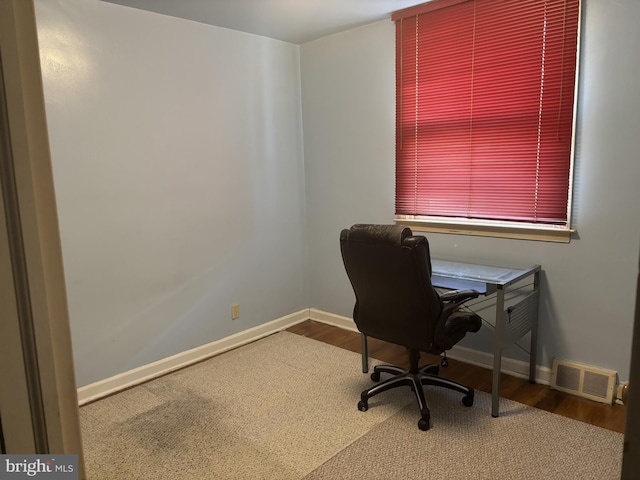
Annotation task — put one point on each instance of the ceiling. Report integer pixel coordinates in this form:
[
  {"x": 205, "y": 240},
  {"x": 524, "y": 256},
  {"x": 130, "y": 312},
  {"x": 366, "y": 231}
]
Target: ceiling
[{"x": 294, "y": 21}]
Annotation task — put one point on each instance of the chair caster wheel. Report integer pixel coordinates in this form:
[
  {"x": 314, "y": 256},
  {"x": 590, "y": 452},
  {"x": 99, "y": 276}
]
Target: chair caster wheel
[
  {"x": 423, "y": 424},
  {"x": 375, "y": 376},
  {"x": 467, "y": 400},
  {"x": 363, "y": 406},
  {"x": 444, "y": 363}
]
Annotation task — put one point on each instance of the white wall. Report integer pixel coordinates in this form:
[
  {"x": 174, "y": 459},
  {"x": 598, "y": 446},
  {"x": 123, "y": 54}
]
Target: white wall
[
  {"x": 177, "y": 157},
  {"x": 588, "y": 285}
]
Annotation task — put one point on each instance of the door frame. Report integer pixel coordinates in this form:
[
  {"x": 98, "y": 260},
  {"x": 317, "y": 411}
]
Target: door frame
[{"x": 38, "y": 395}]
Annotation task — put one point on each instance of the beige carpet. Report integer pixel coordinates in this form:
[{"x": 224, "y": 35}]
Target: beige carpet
[
  {"x": 524, "y": 443},
  {"x": 285, "y": 408},
  {"x": 273, "y": 409}
]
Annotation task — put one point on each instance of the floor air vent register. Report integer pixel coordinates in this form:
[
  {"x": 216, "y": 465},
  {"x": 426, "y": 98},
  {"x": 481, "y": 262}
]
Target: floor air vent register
[{"x": 583, "y": 380}]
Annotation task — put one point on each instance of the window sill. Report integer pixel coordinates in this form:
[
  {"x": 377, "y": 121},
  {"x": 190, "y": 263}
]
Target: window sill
[{"x": 546, "y": 233}]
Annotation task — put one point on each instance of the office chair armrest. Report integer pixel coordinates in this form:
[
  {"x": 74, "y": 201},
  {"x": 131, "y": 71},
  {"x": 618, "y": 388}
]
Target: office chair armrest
[
  {"x": 459, "y": 296},
  {"x": 453, "y": 299}
]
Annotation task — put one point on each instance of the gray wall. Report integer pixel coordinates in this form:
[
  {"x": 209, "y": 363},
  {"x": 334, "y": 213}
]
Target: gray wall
[
  {"x": 589, "y": 284},
  {"x": 177, "y": 157},
  {"x": 182, "y": 186}
]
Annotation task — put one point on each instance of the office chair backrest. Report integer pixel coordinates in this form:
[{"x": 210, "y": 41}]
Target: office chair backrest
[{"x": 390, "y": 271}]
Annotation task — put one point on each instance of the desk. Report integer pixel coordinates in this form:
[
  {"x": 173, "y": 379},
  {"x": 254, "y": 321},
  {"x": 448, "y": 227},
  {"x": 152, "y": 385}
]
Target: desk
[{"x": 511, "y": 323}]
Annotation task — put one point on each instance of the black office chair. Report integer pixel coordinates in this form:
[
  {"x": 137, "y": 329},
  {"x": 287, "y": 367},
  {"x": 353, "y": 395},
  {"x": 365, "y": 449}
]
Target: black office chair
[{"x": 390, "y": 271}]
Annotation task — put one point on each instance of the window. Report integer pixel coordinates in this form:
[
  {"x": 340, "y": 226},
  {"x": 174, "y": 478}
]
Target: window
[{"x": 484, "y": 115}]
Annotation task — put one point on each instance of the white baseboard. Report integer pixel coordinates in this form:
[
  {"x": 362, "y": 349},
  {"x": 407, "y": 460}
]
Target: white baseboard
[
  {"x": 510, "y": 366},
  {"x": 122, "y": 381},
  {"x": 332, "y": 319}
]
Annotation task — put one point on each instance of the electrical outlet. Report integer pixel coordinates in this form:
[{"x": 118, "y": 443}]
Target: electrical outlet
[{"x": 235, "y": 311}]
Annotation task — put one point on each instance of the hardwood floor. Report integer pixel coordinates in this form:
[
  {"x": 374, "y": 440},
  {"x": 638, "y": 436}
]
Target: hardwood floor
[{"x": 611, "y": 417}]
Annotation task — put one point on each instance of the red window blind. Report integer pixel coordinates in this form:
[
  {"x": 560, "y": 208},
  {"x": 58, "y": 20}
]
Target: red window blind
[{"x": 484, "y": 109}]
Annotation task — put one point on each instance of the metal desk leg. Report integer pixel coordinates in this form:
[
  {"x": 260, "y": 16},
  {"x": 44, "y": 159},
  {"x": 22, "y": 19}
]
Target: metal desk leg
[
  {"x": 534, "y": 330},
  {"x": 365, "y": 353},
  {"x": 497, "y": 353}
]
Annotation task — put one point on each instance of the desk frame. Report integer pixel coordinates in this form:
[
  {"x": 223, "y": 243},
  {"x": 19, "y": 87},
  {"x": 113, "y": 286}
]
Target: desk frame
[{"x": 506, "y": 333}]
